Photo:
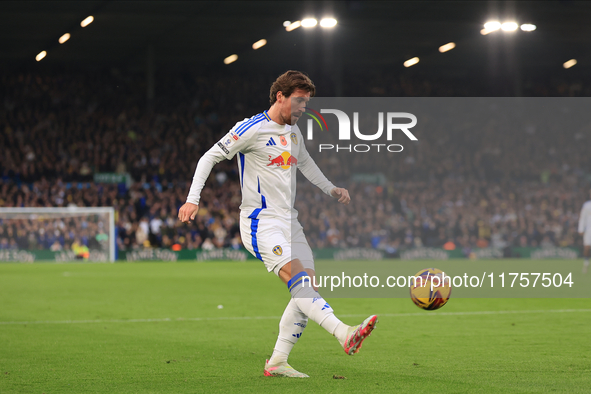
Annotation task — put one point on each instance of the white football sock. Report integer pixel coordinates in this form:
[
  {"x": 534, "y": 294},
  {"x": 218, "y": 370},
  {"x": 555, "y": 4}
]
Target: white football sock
[
  {"x": 340, "y": 333},
  {"x": 291, "y": 327},
  {"x": 316, "y": 308}
]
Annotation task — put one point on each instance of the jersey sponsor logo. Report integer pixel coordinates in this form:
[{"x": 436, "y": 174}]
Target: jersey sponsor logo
[
  {"x": 278, "y": 250},
  {"x": 226, "y": 151},
  {"x": 271, "y": 142},
  {"x": 284, "y": 160},
  {"x": 294, "y": 138},
  {"x": 283, "y": 140}
]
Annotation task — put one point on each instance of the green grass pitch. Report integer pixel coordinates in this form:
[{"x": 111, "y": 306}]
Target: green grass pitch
[{"x": 156, "y": 328}]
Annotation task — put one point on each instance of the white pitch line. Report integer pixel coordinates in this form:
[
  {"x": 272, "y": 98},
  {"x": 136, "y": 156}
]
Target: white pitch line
[{"x": 166, "y": 319}]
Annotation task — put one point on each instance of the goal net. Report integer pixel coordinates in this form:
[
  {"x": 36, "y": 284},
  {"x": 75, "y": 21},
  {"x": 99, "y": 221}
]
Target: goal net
[{"x": 57, "y": 234}]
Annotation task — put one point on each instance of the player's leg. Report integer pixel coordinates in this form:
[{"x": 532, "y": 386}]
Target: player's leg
[
  {"x": 291, "y": 328},
  {"x": 293, "y": 320},
  {"x": 266, "y": 241},
  {"x": 316, "y": 308},
  {"x": 349, "y": 337},
  {"x": 302, "y": 265}
]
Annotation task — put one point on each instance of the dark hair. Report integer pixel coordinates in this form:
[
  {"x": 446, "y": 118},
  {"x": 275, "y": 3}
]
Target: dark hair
[{"x": 290, "y": 81}]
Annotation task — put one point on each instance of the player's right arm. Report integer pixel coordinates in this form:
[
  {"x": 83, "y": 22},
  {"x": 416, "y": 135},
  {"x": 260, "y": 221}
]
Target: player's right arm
[
  {"x": 238, "y": 139},
  {"x": 190, "y": 208}
]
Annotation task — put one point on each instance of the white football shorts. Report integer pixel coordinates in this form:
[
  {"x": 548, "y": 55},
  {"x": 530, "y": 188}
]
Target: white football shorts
[
  {"x": 587, "y": 238},
  {"x": 276, "y": 242}
]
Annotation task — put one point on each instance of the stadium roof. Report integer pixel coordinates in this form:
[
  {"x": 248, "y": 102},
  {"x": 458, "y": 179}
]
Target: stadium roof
[{"x": 383, "y": 33}]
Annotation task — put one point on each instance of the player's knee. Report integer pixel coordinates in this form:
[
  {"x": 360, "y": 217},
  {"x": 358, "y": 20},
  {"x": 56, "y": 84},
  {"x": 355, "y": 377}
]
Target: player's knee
[
  {"x": 289, "y": 270},
  {"x": 292, "y": 268}
]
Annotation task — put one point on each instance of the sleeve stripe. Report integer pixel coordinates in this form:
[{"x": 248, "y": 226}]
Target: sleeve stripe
[
  {"x": 250, "y": 125},
  {"x": 248, "y": 122}
]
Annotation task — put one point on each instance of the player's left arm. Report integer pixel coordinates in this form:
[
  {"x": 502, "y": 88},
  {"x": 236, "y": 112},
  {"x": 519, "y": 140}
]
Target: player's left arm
[{"x": 310, "y": 169}]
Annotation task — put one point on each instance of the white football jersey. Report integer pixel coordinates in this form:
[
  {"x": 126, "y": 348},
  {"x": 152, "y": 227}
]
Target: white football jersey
[
  {"x": 269, "y": 155},
  {"x": 585, "y": 218}
]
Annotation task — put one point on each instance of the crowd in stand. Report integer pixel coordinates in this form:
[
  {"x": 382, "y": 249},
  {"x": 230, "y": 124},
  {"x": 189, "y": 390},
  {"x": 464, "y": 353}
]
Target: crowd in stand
[
  {"x": 41, "y": 232},
  {"x": 504, "y": 182}
]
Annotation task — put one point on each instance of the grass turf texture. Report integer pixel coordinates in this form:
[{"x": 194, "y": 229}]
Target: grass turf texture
[{"x": 419, "y": 352}]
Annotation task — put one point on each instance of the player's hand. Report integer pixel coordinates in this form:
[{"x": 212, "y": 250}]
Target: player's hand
[
  {"x": 342, "y": 194},
  {"x": 188, "y": 212}
]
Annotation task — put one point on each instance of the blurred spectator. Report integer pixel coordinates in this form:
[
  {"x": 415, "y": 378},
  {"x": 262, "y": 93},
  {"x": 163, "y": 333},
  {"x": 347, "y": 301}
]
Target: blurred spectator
[{"x": 498, "y": 189}]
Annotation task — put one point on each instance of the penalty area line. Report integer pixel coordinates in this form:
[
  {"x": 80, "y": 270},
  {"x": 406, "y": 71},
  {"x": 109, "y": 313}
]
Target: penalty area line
[{"x": 180, "y": 319}]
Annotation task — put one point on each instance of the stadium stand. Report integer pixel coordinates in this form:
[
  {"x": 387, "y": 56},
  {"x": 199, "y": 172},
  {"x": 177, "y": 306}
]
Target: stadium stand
[{"x": 62, "y": 128}]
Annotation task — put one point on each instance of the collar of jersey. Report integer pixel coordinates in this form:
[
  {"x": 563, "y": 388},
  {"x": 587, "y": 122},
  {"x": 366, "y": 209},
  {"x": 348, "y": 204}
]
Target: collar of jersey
[{"x": 286, "y": 127}]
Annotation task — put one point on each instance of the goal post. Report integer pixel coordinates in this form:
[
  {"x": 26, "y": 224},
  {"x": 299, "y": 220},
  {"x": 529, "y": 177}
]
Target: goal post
[{"x": 59, "y": 234}]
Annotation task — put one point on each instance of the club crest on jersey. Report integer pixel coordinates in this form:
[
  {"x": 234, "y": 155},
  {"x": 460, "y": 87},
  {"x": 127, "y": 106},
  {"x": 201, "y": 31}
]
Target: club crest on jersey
[
  {"x": 283, "y": 140},
  {"x": 284, "y": 160},
  {"x": 277, "y": 250},
  {"x": 294, "y": 138}
]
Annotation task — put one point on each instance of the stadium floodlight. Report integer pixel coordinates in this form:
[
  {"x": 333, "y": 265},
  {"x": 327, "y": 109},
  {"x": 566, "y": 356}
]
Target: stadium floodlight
[
  {"x": 64, "y": 38},
  {"x": 40, "y": 55},
  {"x": 328, "y": 22},
  {"x": 509, "y": 26},
  {"x": 231, "y": 59},
  {"x": 411, "y": 62},
  {"x": 286, "y": 23},
  {"x": 570, "y": 63},
  {"x": 293, "y": 26},
  {"x": 309, "y": 22},
  {"x": 528, "y": 27},
  {"x": 492, "y": 26},
  {"x": 259, "y": 44},
  {"x": 87, "y": 21},
  {"x": 447, "y": 47}
]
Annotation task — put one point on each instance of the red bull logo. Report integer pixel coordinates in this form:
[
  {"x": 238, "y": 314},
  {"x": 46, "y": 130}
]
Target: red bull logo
[{"x": 284, "y": 160}]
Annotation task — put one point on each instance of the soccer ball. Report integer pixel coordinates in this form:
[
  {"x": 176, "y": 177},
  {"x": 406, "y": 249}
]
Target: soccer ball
[{"x": 429, "y": 291}]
